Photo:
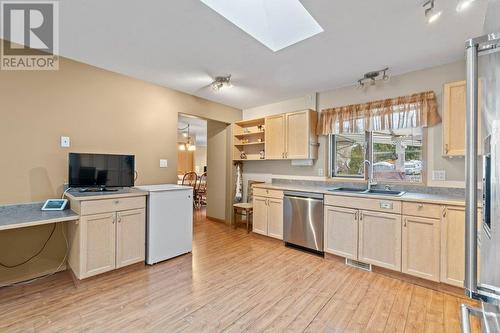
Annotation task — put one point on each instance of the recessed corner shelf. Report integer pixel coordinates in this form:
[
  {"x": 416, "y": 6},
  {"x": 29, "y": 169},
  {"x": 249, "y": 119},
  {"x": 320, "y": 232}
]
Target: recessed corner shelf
[
  {"x": 248, "y": 134},
  {"x": 249, "y": 143}
]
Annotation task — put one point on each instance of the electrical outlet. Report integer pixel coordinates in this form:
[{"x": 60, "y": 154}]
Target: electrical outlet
[
  {"x": 321, "y": 172},
  {"x": 439, "y": 175},
  {"x": 163, "y": 163},
  {"x": 65, "y": 142}
]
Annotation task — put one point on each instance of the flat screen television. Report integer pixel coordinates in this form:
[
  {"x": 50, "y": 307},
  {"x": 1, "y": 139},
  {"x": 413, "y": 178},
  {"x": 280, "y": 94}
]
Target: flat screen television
[{"x": 101, "y": 170}]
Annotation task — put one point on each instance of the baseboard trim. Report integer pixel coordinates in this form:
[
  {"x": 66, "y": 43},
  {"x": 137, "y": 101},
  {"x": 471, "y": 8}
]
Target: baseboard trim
[{"x": 216, "y": 219}]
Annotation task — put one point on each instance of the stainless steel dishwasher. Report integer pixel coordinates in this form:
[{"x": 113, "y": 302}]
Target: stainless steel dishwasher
[{"x": 303, "y": 220}]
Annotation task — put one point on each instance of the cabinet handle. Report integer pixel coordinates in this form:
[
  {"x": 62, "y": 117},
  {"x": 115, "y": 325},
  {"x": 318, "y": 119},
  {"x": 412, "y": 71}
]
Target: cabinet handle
[
  {"x": 361, "y": 216},
  {"x": 404, "y": 222},
  {"x": 444, "y": 212},
  {"x": 356, "y": 215},
  {"x": 119, "y": 219},
  {"x": 446, "y": 150},
  {"x": 117, "y": 202},
  {"x": 114, "y": 219},
  {"x": 420, "y": 206}
]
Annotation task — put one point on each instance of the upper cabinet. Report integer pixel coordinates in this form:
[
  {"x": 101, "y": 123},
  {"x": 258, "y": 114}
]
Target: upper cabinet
[
  {"x": 454, "y": 109},
  {"x": 287, "y": 136},
  {"x": 275, "y": 137},
  {"x": 292, "y": 136}
]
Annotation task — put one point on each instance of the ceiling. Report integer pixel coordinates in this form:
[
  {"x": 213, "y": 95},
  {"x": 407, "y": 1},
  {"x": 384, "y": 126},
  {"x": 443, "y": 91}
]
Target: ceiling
[
  {"x": 183, "y": 44},
  {"x": 197, "y": 129}
]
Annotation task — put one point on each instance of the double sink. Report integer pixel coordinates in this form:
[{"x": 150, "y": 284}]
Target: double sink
[{"x": 369, "y": 191}]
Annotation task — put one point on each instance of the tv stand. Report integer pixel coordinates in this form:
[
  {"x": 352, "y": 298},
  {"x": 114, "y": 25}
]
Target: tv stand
[{"x": 98, "y": 189}]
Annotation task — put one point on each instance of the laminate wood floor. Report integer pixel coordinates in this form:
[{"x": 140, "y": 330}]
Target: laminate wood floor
[{"x": 232, "y": 282}]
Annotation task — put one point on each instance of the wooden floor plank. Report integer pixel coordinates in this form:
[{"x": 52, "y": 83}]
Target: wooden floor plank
[{"x": 233, "y": 281}]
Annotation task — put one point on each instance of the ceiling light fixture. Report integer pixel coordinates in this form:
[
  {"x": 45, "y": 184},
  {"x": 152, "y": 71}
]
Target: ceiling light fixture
[
  {"x": 372, "y": 77},
  {"x": 430, "y": 13},
  {"x": 190, "y": 144},
  {"x": 221, "y": 82},
  {"x": 463, "y": 5},
  {"x": 276, "y": 24}
]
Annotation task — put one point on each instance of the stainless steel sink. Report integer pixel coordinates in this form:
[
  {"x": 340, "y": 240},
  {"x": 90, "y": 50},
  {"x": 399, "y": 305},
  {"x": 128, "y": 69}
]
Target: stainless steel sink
[
  {"x": 370, "y": 191},
  {"x": 384, "y": 192}
]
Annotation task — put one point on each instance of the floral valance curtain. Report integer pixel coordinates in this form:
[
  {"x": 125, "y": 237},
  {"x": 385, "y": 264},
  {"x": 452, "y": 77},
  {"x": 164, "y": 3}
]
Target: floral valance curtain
[{"x": 417, "y": 110}]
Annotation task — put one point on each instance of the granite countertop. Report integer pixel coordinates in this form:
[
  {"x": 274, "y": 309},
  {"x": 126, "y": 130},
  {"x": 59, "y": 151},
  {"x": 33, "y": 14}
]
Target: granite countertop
[
  {"x": 121, "y": 193},
  {"x": 408, "y": 196},
  {"x": 30, "y": 214}
]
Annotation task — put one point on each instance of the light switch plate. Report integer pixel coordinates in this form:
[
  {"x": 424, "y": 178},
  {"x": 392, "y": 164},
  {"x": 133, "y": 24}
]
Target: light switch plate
[
  {"x": 163, "y": 163},
  {"x": 439, "y": 175},
  {"x": 65, "y": 142}
]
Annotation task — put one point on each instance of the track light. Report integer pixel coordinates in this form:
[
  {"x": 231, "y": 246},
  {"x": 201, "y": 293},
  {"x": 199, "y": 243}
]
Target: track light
[
  {"x": 430, "y": 13},
  {"x": 463, "y": 5},
  {"x": 221, "y": 82}
]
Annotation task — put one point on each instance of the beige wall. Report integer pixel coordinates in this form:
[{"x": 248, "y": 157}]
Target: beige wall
[
  {"x": 428, "y": 79},
  {"x": 102, "y": 112},
  {"x": 200, "y": 158}
]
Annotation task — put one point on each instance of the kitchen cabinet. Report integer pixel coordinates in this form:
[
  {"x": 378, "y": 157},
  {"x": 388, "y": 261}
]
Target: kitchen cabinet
[
  {"x": 454, "y": 108},
  {"x": 292, "y": 136},
  {"x": 421, "y": 247},
  {"x": 268, "y": 213},
  {"x": 110, "y": 234},
  {"x": 130, "y": 237},
  {"x": 275, "y": 137},
  {"x": 98, "y": 243},
  {"x": 341, "y": 232},
  {"x": 380, "y": 239},
  {"x": 453, "y": 246}
]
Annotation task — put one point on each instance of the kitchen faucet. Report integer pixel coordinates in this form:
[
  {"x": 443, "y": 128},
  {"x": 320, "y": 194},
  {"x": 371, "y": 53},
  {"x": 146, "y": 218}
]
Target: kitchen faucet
[{"x": 371, "y": 182}]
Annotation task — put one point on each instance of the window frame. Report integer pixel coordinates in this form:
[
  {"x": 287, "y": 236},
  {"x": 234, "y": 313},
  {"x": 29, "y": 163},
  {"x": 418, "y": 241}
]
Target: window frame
[{"x": 369, "y": 156}]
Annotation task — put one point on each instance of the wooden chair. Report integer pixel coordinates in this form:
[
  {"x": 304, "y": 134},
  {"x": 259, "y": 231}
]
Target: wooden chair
[
  {"x": 201, "y": 191},
  {"x": 245, "y": 208},
  {"x": 190, "y": 179}
]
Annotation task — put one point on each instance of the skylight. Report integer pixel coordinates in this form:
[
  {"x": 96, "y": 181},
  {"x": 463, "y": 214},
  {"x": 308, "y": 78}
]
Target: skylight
[{"x": 276, "y": 23}]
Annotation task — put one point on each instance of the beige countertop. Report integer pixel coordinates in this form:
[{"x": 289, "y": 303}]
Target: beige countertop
[
  {"x": 408, "y": 196},
  {"x": 121, "y": 193}
]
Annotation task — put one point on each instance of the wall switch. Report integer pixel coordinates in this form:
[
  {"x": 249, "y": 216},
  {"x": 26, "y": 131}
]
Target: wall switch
[
  {"x": 65, "y": 142},
  {"x": 163, "y": 163},
  {"x": 438, "y": 174}
]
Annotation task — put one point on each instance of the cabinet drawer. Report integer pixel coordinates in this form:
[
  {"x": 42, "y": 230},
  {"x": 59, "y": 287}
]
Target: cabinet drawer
[
  {"x": 378, "y": 205},
  {"x": 263, "y": 192},
  {"x": 422, "y": 210},
  {"x": 111, "y": 205}
]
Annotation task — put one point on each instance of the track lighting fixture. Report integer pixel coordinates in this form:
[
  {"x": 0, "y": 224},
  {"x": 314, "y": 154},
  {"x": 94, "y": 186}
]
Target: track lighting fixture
[{"x": 372, "y": 77}]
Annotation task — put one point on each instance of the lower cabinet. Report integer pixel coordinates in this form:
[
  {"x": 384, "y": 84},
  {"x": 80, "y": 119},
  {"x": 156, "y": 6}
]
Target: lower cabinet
[
  {"x": 268, "y": 216},
  {"x": 341, "y": 231},
  {"x": 380, "y": 239},
  {"x": 421, "y": 247},
  {"x": 101, "y": 242},
  {"x": 97, "y": 247}
]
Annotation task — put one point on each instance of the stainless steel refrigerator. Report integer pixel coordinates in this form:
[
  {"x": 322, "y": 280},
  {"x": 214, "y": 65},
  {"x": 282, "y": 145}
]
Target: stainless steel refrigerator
[{"x": 482, "y": 237}]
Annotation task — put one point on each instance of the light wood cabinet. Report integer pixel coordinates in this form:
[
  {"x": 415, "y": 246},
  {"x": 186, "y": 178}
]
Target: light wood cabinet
[
  {"x": 130, "y": 237},
  {"x": 275, "y": 137},
  {"x": 454, "y": 109},
  {"x": 421, "y": 247},
  {"x": 341, "y": 231},
  {"x": 268, "y": 215},
  {"x": 301, "y": 140},
  {"x": 292, "y": 136},
  {"x": 109, "y": 234},
  {"x": 98, "y": 244},
  {"x": 453, "y": 246},
  {"x": 380, "y": 239},
  {"x": 259, "y": 223}
]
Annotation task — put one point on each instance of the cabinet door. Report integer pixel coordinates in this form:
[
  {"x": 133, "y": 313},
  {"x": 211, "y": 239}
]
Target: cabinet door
[
  {"x": 454, "y": 107},
  {"x": 259, "y": 223},
  {"x": 453, "y": 246},
  {"x": 275, "y": 218},
  {"x": 421, "y": 247},
  {"x": 275, "y": 137},
  {"x": 341, "y": 231},
  {"x": 380, "y": 239},
  {"x": 130, "y": 237},
  {"x": 98, "y": 243},
  {"x": 297, "y": 135}
]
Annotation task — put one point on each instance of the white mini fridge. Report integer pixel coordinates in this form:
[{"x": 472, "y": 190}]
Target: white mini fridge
[{"x": 169, "y": 228}]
